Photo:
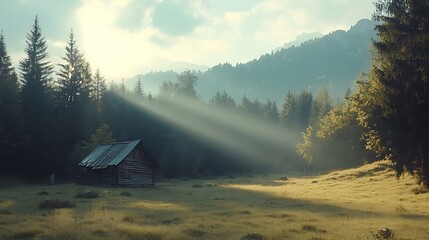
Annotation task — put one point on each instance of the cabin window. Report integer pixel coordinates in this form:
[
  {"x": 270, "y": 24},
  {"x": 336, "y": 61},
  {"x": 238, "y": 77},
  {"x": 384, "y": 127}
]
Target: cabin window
[
  {"x": 136, "y": 153},
  {"x": 127, "y": 173}
]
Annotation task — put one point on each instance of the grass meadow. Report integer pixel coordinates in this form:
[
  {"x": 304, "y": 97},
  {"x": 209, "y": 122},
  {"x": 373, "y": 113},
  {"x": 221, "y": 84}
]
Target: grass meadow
[{"x": 348, "y": 204}]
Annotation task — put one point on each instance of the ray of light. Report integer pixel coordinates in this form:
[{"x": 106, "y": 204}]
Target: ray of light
[{"x": 244, "y": 135}]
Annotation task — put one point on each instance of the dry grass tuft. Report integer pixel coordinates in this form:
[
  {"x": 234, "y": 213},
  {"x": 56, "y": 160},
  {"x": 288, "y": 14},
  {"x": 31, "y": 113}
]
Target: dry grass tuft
[
  {"x": 245, "y": 212},
  {"x": 25, "y": 235},
  {"x": 194, "y": 233},
  {"x": 5, "y": 212},
  {"x": 129, "y": 219},
  {"x": 150, "y": 236},
  {"x": 174, "y": 221},
  {"x": 99, "y": 233},
  {"x": 253, "y": 236},
  {"x": 280, "y": 215},
  {"x": 420, "y": 190},
  {"x": 311, "y": 228},
  {"x": 88, "y": 195},
  {"x": 54, "y": 204},
  {"x": 125, "y": 194},
  {"x": 401, "y": 208}
]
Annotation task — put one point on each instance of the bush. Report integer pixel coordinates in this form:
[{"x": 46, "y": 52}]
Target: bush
[
  {"x": 253, "y": 236},
  {"x": 53, "y": 204},
  {"x": 420, "y": 190},
  {"x": 5, "y": 212},
  {"x": 87, "y": 195},
  {"x": 125, "y": 194},
  {"x": 194, "y": 233}
]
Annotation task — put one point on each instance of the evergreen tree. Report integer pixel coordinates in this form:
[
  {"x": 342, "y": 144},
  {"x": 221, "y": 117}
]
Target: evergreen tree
[
  {"x": 393, "y": 104},
  {"x": 303, "y": 102},
  {"x": 320, "y": 106},
  {"x": 187, "y": 81},
  {"x": 288, "y": 113},
  {"x": 138, "y": 90},
  {"x": 246, "y": 105},
  {"x": 74, "y": 81},
  {"x": 185, "y": 86},
  {"x": 10, "y": 109},
  {"x": 271, "y": 112},
  {"x": 36, "y": 98},
  {"x": 223, "y": 100},
  {"x": 99, "y": 87}
]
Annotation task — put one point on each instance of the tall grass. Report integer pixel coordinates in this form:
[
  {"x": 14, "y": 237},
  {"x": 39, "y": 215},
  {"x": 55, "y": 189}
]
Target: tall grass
[{"x": 349, "y": 204}]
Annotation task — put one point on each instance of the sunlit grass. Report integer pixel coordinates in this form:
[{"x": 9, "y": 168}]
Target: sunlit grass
[{"x": 349, "y": 204}]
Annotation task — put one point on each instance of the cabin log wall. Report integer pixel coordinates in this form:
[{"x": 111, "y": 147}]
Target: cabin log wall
[{"x": 141, "y": 172}]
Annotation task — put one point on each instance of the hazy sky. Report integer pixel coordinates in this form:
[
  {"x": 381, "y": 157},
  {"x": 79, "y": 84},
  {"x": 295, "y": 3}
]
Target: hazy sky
[{"x": 126, "y": 37}]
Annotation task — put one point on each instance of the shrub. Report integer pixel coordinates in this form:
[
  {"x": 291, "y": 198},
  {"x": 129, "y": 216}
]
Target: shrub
[
  {"x": 43, "y": 193},
  {"x": 125, "y": 194},
  {"x": 253, "y": 236},
  {"x": 25, "y": 234},
  {"x": 194, "y": 233},
  {"x": 87, "y": 195},
  {"x": 420, "y": 190},
  {"x": 309, "y": 228},
  {"x": 53, "y": 204},
  {"x": 128, "y": 219},
  {"x": 5, "y": 212}
]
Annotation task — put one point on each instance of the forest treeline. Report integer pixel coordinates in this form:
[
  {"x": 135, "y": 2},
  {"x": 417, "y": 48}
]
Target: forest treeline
[{"x": 50, "y": 120}]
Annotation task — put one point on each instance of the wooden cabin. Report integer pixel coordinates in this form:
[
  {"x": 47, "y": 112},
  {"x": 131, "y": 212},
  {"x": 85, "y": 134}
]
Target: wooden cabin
[{"x": 117, "y": 164}]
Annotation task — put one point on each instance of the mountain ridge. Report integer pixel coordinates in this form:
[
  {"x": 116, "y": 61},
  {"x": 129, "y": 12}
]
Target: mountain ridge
[{"x": 333, "y": 61}]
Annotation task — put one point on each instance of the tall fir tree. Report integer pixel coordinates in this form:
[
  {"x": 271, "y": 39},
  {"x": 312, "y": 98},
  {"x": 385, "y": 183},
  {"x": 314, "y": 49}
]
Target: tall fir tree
[
  {"x": 75, "y": 85},
  {"x": 37, "y": 101},
  {"x": 98, "y": 91},
  {"x": 288, "y": 112},
  {"x": 393, "y": 105},
  {"x": 10, "y": 109},
  {"x": 138, "y": 90}
]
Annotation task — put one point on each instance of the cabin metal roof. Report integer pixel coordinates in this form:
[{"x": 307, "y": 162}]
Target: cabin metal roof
[{"x": 109, "y": 154}]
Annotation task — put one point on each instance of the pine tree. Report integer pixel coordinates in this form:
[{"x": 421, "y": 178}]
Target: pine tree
[
  {"x": 320, "y": 106},
  {"x": 394, "y": 103},
  {"x": 10, "y": 108},
  {"x": 75, "y": 83},
  {"x": 223, "y": 100},
  {"x": 245, "y": 106},
  {"x": 187, "y": 81},
  {"x": 99, "y": 87},
  {"x": 138, "y": 90},
  {"x": 271, "y": 112},
  {"x": 288, "y": 113},
  {"x": 36, "y": 98}
]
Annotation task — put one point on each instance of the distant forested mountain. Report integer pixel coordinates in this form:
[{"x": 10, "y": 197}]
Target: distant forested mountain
[{"x": 333, "y": 61}]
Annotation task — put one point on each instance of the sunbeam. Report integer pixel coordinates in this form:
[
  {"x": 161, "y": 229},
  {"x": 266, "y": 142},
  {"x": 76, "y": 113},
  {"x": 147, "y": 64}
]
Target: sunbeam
[{"x": 253, "y": 139}]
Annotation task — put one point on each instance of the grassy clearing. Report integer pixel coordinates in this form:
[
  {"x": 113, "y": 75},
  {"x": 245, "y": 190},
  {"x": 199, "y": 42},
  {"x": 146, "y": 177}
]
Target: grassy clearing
[{"x": 349, "y": 204}]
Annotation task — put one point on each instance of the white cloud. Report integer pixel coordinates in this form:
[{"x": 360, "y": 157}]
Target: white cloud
[{"x": 223, "y": 33}]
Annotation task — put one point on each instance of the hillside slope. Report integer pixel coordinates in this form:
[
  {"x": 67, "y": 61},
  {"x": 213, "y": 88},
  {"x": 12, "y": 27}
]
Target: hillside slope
[{"x": 334, "y": 61}]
